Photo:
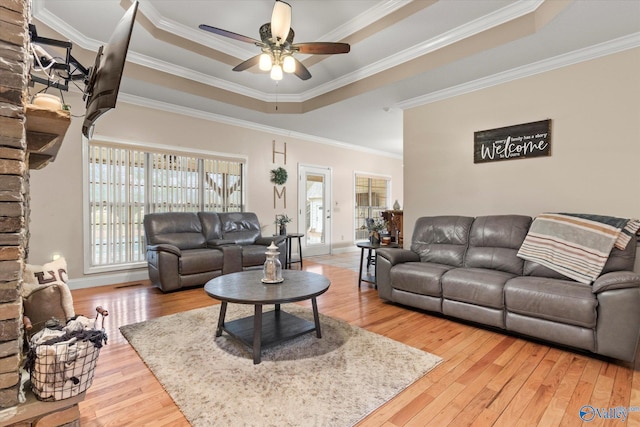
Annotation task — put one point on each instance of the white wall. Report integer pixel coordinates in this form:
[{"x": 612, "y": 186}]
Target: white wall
[
  {"x": 56, "y": 190},
  {"x": 593, "y": 168}
]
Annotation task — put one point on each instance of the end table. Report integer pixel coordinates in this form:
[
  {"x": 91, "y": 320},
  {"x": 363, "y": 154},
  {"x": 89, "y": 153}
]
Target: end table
[{"x": 370, "y": 247}]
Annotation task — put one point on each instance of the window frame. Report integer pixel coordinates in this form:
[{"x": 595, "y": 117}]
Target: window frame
[{"x": 149, "y": 149}]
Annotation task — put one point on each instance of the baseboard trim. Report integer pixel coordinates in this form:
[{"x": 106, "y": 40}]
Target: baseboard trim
[
  {"x": 344, "y": 249},
  {"x": 94, "y": 280}
]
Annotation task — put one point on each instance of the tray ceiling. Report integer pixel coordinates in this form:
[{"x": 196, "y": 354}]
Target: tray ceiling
[{"x": 403, "y": 53}]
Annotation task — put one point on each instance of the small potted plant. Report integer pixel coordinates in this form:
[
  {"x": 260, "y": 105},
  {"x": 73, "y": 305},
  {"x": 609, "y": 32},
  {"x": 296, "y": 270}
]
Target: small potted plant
[
  {"x": 282, "y": 220},
  {"x": 375, "y": 226}
]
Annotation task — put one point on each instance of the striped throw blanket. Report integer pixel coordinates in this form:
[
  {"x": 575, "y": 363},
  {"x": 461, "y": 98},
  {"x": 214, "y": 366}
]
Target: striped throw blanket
[{"x": 576, "y": 245}]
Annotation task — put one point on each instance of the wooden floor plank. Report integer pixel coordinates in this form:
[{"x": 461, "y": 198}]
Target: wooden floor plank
[
  {"x": 467, "y": 404},
  {"x": 486, "y": 378},
  {"x": 557, "y": 407},
  {"x": 528, "y": 390},
  {"x": 509, "y": 387},
  {"x": 545, "y": 392}
]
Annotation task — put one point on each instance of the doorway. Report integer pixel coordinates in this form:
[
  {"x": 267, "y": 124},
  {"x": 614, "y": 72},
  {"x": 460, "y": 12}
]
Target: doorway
[{"x": 314, "y": 209}]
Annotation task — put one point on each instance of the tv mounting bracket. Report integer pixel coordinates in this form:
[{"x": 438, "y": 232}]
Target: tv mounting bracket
[{"x": 79, "y": 72}]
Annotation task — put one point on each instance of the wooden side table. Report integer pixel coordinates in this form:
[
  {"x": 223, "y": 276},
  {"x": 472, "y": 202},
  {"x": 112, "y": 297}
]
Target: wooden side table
[
  {"x": 289, "y": 261},
  {"x": 370, "y": 248}
]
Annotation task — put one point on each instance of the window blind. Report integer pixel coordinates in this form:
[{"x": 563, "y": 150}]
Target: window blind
[{"x": 125, "y": 182}]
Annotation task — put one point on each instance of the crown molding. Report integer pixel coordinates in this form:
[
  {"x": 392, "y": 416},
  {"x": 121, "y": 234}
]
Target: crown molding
[
  {"x": 42, "y": 14},
  {"x": 196, "y": 35},
  {"x": 207, "y": 79},
  {"x": 361, "y": 21},
  {"x": 52, "y": 21},
  {"x": 219, "y": 118},
  {"x": 484, "y": 23},
  {"x": 593, "y": 52},
  {"x": 365, "y": 19},
  {"x": 506, "y": 14}
]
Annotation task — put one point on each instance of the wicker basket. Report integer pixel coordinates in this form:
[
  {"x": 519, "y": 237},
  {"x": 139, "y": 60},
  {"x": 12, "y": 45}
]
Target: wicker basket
[{"x": 63, "y": 367}]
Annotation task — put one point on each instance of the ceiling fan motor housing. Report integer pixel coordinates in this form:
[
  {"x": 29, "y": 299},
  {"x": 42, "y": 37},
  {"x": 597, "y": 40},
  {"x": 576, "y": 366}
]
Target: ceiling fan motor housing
[{"x": 265, "y": 34}]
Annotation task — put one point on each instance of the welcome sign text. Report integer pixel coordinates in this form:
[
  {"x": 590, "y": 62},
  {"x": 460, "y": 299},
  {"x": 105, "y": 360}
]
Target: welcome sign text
[{"x": 513, "y": 142}]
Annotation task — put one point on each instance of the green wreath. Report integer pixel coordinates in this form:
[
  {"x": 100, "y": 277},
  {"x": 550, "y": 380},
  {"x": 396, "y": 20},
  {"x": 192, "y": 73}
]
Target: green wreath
[{"x": 279, "y": 176}]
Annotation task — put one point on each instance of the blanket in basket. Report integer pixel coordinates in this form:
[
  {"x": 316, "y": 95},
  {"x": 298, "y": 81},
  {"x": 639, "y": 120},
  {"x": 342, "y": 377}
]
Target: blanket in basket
[
  {"x": 576, "y": 245},
  {"x": 62, "y": 360}
]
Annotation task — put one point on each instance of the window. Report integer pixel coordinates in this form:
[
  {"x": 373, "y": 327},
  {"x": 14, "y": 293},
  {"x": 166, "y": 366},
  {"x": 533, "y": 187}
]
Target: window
[
  {"x": 125, "y": 181},
  {"x": 372, "y": 195}
]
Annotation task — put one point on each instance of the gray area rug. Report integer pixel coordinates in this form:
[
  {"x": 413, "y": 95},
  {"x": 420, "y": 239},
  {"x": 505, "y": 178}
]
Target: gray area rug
[{"x": 335, "y": 380}]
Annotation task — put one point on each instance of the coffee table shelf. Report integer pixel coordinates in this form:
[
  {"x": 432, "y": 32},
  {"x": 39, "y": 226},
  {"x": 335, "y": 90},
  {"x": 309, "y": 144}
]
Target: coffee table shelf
[{"x": 277, "y": 326}]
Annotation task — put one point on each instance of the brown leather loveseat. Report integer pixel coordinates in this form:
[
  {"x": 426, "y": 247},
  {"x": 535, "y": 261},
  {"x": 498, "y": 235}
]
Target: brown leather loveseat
[
  {"x": 187, "y": 249},
  {"x": 469, "y": 268}
]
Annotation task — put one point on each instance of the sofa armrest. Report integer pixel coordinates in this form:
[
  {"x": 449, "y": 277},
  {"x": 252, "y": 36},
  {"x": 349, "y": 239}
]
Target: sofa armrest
[
  {"x": 165, "y": 247},
  {"x": 232, "y": 258},
  {"x": 218, "y": 243},
  {"x": 616, "y": 280},
  {"x": 618, "y": 327},
  {"x": 397, "y": 255},
  {"x": 163, "y": 262},
  {"x": 386, "y": 258},
  {"x": 266, "y": 241}
]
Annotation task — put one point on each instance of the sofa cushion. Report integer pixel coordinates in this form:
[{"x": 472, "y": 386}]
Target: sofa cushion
[
  {"x": 181, "y": 229},
  {"x": 211, "y": 225},
  {"x": 241, "y": 227},
  {"x": 474, "y": 313},
  {"x": 562, "y": 333},
  {"x": 621, "y": 259},
  {"x": 195, "y": 261},
  {"x": 441, "y": 239},
  {"x": 476, "y": 286},
  {"x": 564, "y": 301},
  {"x": 253, "y": 255},
  {"x": 532, "y": 268},
  {"x": 419, "y": 277},
  {"x": 494, "y": 242}
]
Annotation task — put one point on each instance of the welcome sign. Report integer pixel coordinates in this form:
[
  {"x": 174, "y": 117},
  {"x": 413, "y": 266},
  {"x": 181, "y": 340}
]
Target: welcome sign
[{"x": 513, "y": 142}]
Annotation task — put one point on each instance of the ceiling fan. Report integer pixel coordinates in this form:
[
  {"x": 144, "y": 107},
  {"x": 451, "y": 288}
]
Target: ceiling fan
[{"x": 276, "y": 42}]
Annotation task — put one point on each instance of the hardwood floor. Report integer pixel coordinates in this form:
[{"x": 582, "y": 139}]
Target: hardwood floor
[{"x": 486, "y": 378}]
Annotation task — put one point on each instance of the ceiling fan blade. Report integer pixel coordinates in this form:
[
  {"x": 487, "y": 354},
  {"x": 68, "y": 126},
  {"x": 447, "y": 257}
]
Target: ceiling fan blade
[
  {"x": 301, "y": 71},
  {"x": 247, "y": 64},
  {"x": 229, "y": 34},
  {"x": 321, "y": 48}
]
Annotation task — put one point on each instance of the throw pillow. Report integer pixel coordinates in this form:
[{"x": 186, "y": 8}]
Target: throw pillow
[{"x": 53, "y": 274}]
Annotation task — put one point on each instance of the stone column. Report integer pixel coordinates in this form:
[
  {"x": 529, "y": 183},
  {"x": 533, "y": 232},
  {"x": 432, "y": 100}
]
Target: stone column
[{"x": 14, "y": 69}]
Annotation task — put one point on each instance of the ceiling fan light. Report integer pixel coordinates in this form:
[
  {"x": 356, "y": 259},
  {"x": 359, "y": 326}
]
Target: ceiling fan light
[
  {"x": 265, "y": 62},
  {"x": 289, "y": 64},
  {"x": 276, "y": 72},
  {"x": 280, "y": 20}
]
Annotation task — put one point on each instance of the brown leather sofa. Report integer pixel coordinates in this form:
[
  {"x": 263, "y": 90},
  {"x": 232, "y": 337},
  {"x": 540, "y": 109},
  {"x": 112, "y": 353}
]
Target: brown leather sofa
[
  {"x": 468, "y": 268},
  {"x": 186, "y": 249}
]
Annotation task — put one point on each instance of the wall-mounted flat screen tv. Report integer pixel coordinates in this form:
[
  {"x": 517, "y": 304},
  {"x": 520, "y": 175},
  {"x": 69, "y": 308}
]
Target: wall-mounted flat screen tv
[{"x": 101, "y": 91}]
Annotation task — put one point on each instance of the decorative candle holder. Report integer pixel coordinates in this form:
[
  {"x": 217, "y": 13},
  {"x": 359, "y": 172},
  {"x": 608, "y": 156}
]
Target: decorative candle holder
[{"x": 272, "y": 270}]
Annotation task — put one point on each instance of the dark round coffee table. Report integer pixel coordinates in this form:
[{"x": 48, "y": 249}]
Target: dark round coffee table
[{"x": 273, "y": 327}]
